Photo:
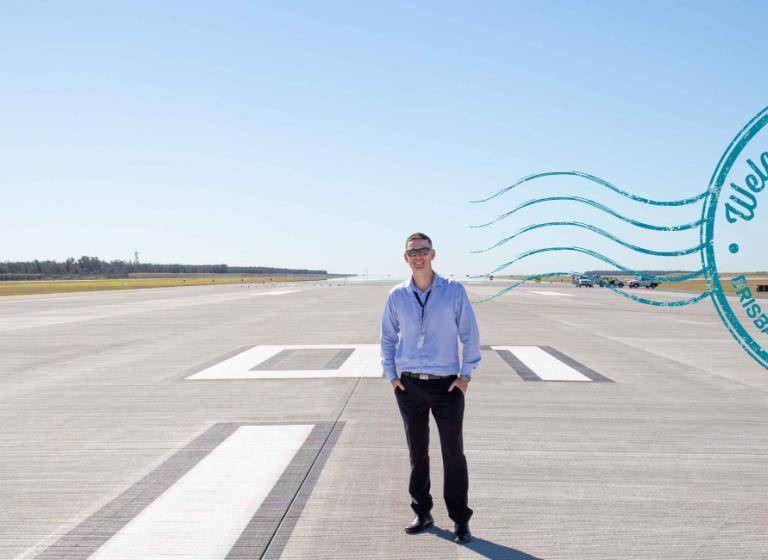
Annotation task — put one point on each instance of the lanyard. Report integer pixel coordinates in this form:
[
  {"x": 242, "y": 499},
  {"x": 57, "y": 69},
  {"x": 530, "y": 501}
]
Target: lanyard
[{"x": 422, "y": 304}]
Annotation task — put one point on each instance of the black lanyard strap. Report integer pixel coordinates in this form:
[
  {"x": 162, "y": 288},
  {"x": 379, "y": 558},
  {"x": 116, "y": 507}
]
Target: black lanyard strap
[{"x": 422, "y": 304}]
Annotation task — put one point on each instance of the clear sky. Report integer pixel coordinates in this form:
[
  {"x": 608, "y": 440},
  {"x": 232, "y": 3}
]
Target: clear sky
[{"x": 321, "y": 134}]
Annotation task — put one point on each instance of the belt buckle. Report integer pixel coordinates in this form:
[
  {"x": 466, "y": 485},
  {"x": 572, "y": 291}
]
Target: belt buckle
[{"x": 423, "y": 376}]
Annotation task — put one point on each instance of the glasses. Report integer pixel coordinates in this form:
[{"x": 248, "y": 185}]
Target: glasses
[{"x": 420, "y": 252}]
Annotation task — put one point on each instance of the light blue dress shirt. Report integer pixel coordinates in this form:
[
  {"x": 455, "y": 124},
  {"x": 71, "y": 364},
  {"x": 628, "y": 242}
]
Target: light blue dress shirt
[{"x": 428, "y": 342}]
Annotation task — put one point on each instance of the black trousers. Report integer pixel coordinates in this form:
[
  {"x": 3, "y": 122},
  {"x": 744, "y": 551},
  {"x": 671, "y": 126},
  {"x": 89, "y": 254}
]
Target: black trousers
[{"x": 421, "y": 396}]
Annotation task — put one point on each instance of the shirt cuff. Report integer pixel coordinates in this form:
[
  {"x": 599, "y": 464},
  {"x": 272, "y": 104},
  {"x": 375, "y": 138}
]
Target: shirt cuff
[
  {"x": 391, "y": 374},
  {"x": 466, "y": 371}
]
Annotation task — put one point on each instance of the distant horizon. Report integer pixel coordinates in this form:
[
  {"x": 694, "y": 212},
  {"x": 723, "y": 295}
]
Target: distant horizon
[{"x": 406, "y": 273}]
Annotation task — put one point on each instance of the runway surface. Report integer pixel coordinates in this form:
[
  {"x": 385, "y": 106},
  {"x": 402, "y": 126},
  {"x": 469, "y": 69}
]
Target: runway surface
[{"x": 253, "y": 422}]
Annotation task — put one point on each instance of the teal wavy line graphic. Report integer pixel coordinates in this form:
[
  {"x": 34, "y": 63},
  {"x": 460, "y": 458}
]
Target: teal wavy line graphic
[
  {"x": 656, "y": 303},
  {"x": 599, "y": 231},
  {"x": 601, "y": 182},
  {"x": 601, "y": 257},
  {"x": 599, "y": 206},
  {"x": 744, "y": 317}
]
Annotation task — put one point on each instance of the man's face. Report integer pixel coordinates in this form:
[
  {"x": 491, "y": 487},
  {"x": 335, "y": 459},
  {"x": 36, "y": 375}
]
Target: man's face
[{"x": 419, "y": 262}]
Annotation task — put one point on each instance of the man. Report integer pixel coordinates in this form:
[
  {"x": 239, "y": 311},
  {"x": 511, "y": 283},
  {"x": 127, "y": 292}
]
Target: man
[{"x": 422, "y": 320}]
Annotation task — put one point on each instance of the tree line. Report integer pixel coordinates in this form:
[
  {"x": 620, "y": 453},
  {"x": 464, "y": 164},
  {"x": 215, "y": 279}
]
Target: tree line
[{"x": 93, "y": 266}]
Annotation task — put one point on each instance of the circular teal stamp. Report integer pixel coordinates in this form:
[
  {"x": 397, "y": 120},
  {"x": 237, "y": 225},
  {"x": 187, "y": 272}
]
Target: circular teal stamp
[{"x": 732, "y": 232}]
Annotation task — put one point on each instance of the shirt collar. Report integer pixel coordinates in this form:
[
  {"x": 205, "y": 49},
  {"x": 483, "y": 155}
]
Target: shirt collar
[{"x": 437, "y": 281}]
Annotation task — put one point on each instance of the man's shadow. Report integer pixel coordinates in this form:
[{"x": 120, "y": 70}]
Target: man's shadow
[{"x": 485, "y": 548}]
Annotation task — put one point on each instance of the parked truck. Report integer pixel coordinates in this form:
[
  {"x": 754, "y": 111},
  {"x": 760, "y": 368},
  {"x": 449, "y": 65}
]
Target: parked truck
[
  {"x": 611, "y": 281},
  {"x": 583, "y": 282},
  {"x": 643, "y": 283}
]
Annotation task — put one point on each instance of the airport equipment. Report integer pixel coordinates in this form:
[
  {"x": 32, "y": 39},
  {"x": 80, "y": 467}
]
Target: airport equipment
[
  {"x": 610, "y": 281},
  {"x": 643, "y": 283},
  {"x": 585, "y": 282}
]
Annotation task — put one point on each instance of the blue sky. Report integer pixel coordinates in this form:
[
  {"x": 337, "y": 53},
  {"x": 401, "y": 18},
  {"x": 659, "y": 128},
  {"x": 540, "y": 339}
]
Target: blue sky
[{"x": 321, "y": 134}]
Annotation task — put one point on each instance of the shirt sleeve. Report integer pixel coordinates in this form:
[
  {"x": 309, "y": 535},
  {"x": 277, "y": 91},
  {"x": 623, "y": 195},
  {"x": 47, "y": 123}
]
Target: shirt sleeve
[
  {"x": 468, "y": 334},
  {"x": 390, "y": 327}
]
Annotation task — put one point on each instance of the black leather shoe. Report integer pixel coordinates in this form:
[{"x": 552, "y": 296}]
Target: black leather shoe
[
  {"x": 419, "y": 523},
  {"x": 463, "y": 536}
]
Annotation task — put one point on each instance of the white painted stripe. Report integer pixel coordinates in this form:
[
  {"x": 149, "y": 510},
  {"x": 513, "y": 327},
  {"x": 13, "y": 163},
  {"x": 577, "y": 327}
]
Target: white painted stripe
[
  {"x": 204, "y": 513},
  {"x": 276, "y": 293},
  {"x": 365, "y": 361},
  {"x": 103, "y": 308},
  {"x": 550, "y": 293},
  {"x": 543, "y": 364}
]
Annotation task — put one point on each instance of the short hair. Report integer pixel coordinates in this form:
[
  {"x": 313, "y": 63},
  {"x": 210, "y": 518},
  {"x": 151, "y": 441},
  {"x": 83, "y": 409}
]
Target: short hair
[{"x": 418, "y": 235}]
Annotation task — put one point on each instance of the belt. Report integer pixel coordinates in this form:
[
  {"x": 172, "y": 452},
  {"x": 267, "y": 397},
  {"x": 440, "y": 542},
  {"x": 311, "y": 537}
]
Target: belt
[{"x": 423, "y": 376}]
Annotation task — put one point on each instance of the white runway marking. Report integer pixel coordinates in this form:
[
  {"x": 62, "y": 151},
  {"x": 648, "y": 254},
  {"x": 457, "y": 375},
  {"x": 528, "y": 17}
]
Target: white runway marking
[
  {"x": 94, "y": 309},
  {"x": 550, "y": 293},
  {"x": 276, "y": 293},
  {"x": 365, "y": 361},
  {"x": 204, "y": 513},
  {"x": 543, "y": 364}
]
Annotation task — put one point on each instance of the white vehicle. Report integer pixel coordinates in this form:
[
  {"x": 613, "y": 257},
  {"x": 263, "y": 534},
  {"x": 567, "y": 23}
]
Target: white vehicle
[{"x": 643, "y": 283}]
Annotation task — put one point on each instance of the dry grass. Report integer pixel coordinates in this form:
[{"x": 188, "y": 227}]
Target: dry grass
[
  {"x": 698, "y": 286},
  {"x": 66, "y": 286}
]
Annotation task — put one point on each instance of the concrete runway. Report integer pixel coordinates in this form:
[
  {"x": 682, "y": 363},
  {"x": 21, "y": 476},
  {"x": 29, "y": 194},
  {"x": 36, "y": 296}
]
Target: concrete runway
[{"x": 193, "y": 423}]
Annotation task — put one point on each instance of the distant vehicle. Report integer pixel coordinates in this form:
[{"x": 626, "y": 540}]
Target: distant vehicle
[
  {"x": 582, "y": 281},
  {"x": 643, "y": 283},
  {"x": 610, "y": 281}
]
